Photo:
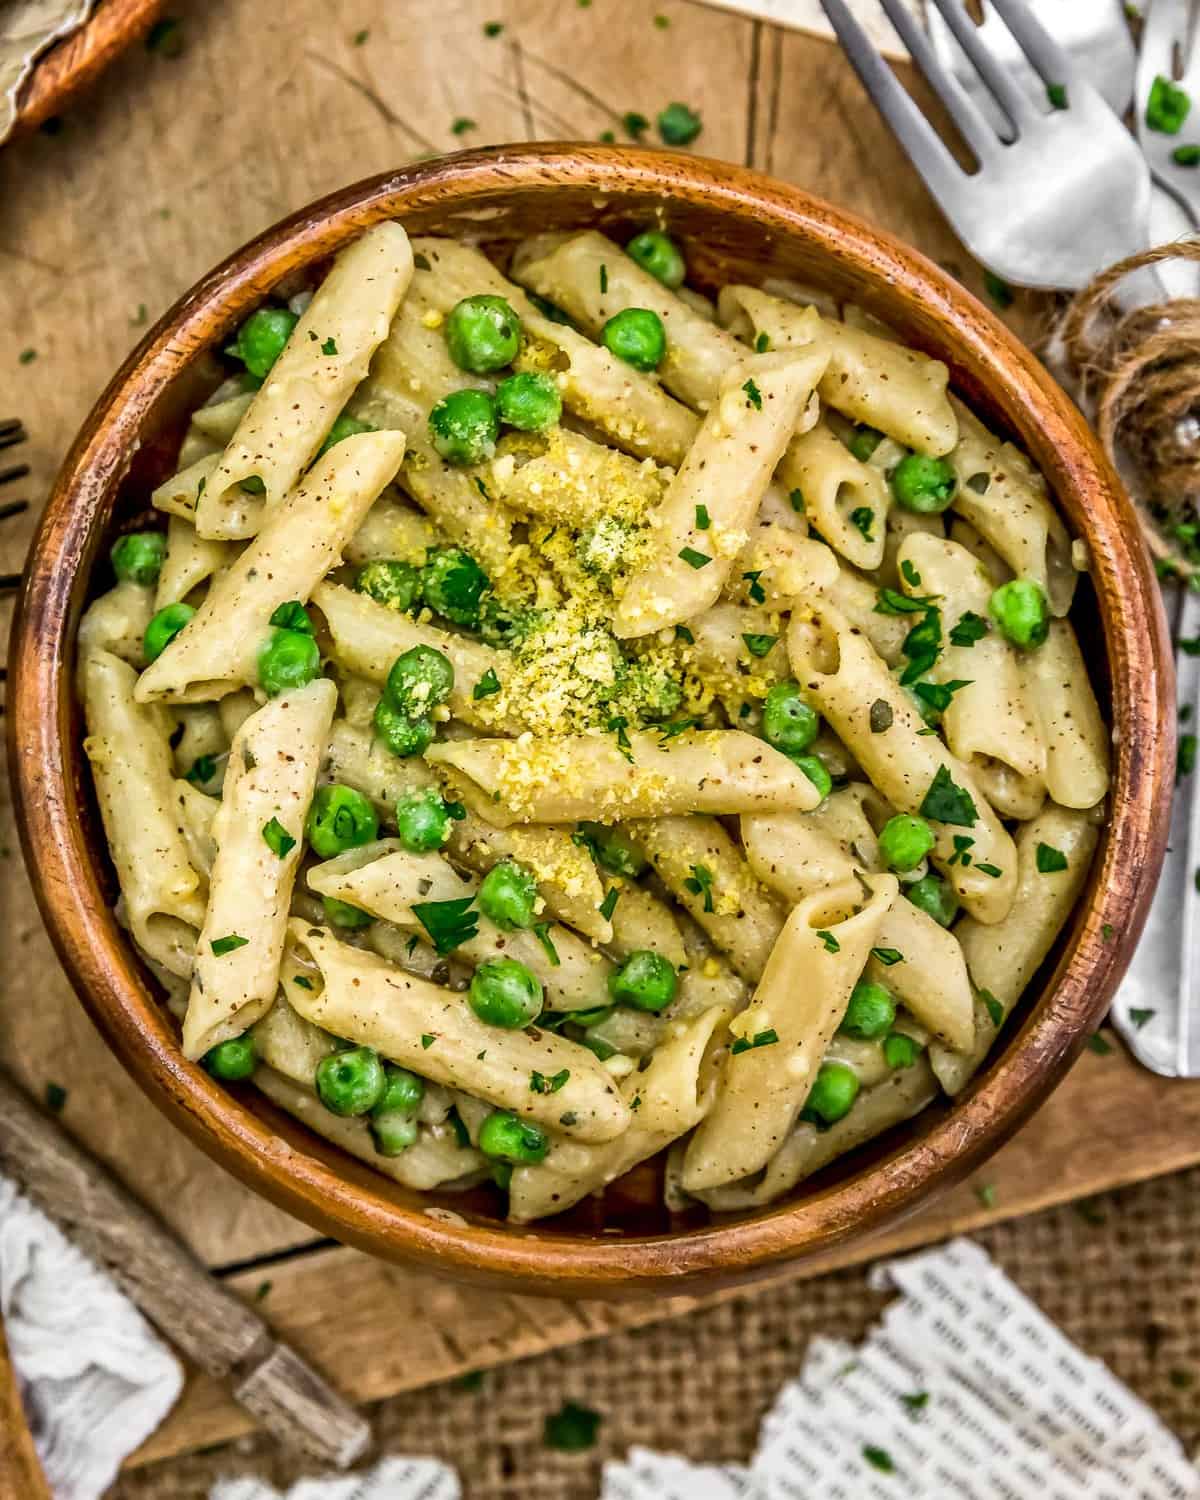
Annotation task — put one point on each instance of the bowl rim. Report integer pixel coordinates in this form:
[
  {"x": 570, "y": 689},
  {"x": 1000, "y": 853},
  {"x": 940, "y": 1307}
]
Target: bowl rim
[{"x": 108, "y": 978}]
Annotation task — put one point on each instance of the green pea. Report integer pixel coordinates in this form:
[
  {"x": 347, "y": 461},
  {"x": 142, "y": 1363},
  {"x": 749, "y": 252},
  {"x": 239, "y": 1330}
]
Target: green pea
[
  {"x": 393, "y": 1133},
  {"x": 396, "y": 584},
  {"x": 660, "y": 255},
  {"x": 636, "y": 335},
  {"x": 504, "y": 1137},
  {"x": 232, "y": 1060},
  {"x": 870, "y": 1013},
  {"x": 833, "y": 1092},
  {"x": 342, "y": 914},
  {"x": 418, "y": 680},
  {"x": 508, "y": 895},
  {"x": 463, "y": 427},
  {"x": 339, "y": 819},
  {"x": 345, "y": 426},
  {"x": 351, "y": 1082},
  {"x": 904, "y": 841},
  {"x": 816, "y": 771},
  {"x": 483, "y": 333},
  {"x": 504, "y": 993},
  {"x": 613, "y": 849},
  {"x": 678, "y": 125},
  {"x": 900, "y": 1051},
  {"x": 646, "y": 980},
  {"x": 504, "y": 625},
  {"x": 923, "y": 484},
  {"x": 1020, "y": 610},
  {"x": 163, "y": 628},
  {"x": 423, "y": 821},
  {"x": 138, "y": 557},
  {"x": 789, "y": 723},
  {"x": 261, "y": 339},
  {"x": 402, "y": 1092},
  {"x": 935, "y": 897},
  {"x": 502, "y": 1175},
  {"x": 528, "y": 401},
  {"x": 401, "y": 735},
  {"x": 289, "y": 659},
  {"x": 454, "y": 585}
]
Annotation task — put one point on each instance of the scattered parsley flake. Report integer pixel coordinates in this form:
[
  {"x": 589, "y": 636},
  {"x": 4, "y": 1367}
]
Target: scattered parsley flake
[
  {"x": 26, "y": 356},
  {"x": 863, "y": 518},
  {"x": 448, "y": 923},
  {"x": 140, "y": 316},
  {"x": 360, "y": 37},
  {"x": 329, "y": 346},
  {"x": 493, "y": 28},
  {"x": 204, "y": 768},
  {"x": 1106, "y": 931},
  {"x": 758, "y": 595},
  {"x": 922, "y": 646},
  {"x": 762, "y": 343},
  {"x": 962, "y": 842},
  {"x": 302, "y": 982},
  {"x": 994, "y": 871},
  {"x": 603, "y": 279},
  {"x": 1050, "y": 859},
  {"x": 462, "y": 125},
  {"x": 1185, "y": 757},
  {"x": 609, "y": 904},
  {"x": 619, "y": 724},
  {"x": 970, "y": 628},
  {"x": 796, "y": 500},
  {"x": 916, "y": 1400},
  {"x": 541, "y": 931},
  {"x": 669, "y": 730},
  {"x": 999, "y": 291},
  {"x": 682, "y": 633},
  {"x": 759, "y": 645},
  {"x": 165, "y": 37},
  {"x": 893, "y": 602},
  {"x": 742, "y": 1044},
  {"x": 910, "y": 574},
  {"x": 993, "y": 1007},
  {"x": 540, "y": 1084},
  {"x": 700, "y": 884},
  {"x": 56, "y": 1098},
  {"x": 1140, "y": 1017},
  {"x": 879, "y": 1458},
  {"x": 634, "y": 125},
  {"x": 223, "y": 945},
  {"x": 831, "y": 943},
  {"x": 427, "y": 1040},
  {"x": 695, "y": 559},
  {"x": 662, "y": 22},
  {"x": 277, "y": 839},
  {"x": 1100, "y": 1045},
  {"x": 887, "y": 956},
  {"x": 946, "y": 802},
  {"x": 572, "y": 1428},
  {"x": 262, "y": 1290},
  {"x": 937, "y": 695},
  {"x": 703, "y": 519},
  {"x": 488, "y": 684},
  {"x": 986, "y": 1193},
  {"x": 1057, "y": 95},
  {"x": 753, "y": 395}
]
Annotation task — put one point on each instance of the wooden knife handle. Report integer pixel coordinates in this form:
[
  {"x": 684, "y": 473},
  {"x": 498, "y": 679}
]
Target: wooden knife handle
[{"x": 21, "y": 1476}]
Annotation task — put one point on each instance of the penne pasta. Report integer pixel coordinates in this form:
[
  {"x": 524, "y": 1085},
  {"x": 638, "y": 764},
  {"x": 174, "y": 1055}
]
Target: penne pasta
[
  {"x": 1074, "y": 734},
  {"x": 845, "y": 500}
]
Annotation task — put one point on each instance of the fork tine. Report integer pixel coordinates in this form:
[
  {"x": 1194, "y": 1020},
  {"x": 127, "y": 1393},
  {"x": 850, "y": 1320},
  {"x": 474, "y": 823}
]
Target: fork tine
[
  {"x": 1050, "y": 61},
  {"x": 974, "y": 129},
  {"x": 1008, "y": 94},
  {"x": 926, "y": 150}
]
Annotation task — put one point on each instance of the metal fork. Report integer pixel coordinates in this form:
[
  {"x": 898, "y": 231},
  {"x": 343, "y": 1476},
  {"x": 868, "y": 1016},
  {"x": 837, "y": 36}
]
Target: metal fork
[
  {"x": 1038, "y": 210},
  {"x": 1169, "y": 51}
]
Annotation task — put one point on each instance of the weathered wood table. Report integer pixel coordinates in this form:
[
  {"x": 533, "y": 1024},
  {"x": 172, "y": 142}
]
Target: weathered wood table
[{"x": 168, "y": 166}]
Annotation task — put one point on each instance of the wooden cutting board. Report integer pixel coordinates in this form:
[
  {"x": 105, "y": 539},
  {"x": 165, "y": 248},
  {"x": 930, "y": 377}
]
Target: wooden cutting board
[{"x": 162, "y": 170}]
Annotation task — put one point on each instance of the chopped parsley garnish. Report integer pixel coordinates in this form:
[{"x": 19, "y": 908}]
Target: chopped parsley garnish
[
  {"x": 887, "y": 956},
  {"x": 302, "y": 982},
  {"x": 223, "y": 945},
  {"x": 620, "y": 725},
  {"x": 759, "y": 645},
  {"x": 1190, "y": 645},
  {"x": 863, "y": 442},
  {"x": 278, "y": 840},
  {"x": 540, "y": 1084},
  {"x": 892, "y": 602},
  {"x": 204, "y": 768},
  {"x": 916, "y": 1400},
  {"x": 427, "y": 1040},
  {"x": 762, "y": 343},
  {"x": 946, "y": 802},
  {"x": 1106, "y": 931},
  {"x": 993, "y": 870},
  {"x": 753, "y": 395},
  {"x": 993, "y": 1007},
  {"x": 1050, "y": 859},
  {"x": 1099, "y": 1045},
  {"x": 760, "y": 1039},
  {"x": 831, "y": 943},
  {"x": 962, "y": 843},
  {"x": 863, "y": 518},
  {"x": 937, "y": 695},
  {"x": 56, "y": 1098},
  {"x": 603, "y": 279},
  {"x": 682, "y": 633},
  {"x": 1140, "y": 1017},
  {"x": 881, "y": 716},
  {"x": 1057, "y": 95},
  {"x": 998, "y": 290},
  {"x": 541, "y": 931},
  {"x": 922, "y": 646},
  {"x": 360, "y": 37},
  {"x": 292, "y": 616},
  {"x": 796, "y": 499},
  {"x": 703, "y": 520},
  {"x": 970, "y": 628},
  {"x": 986, "y": 1193},
  {"x": 448, "y": 923},
  {"x": 26, "y": 356},
  {"x": 462, "y": 125},
  {"x": 662, "y": 22},
  {"x": 165, "y": 37},
  {"x": 699, "y": 882},
  {"x": 695, "y": 559},
  {"x": 1185, "y": 756},
  {"x": 488, "y": 684},
  {"x": 979, "y": 482},
  {"x": 634, "y": 124},
  {"x": 910, "y": 574},
  {"x": 609, "y": 904},
  {"x": 879, "y": 1458},
  {"x": 572, "y": 1428},
  {"x": 669, "y": 730},
  {"x": 493, "y": 28},
  {"x": 329, "y": 346},
  {"x": 758, "y": 595}
]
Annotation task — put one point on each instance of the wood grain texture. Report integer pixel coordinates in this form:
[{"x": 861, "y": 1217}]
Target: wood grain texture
[
  {"x": 21, "y": 1476},
  {"x": 75, "y": 62},
  {"x": 733, "y": 224},
  {"x": 384, "y": 1330}
]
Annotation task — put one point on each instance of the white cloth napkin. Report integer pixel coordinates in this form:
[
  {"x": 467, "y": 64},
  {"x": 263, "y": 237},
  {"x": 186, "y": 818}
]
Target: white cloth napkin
[
  {"x": 96, "y": 1379},
  {"x": 999, "y": 1404}
]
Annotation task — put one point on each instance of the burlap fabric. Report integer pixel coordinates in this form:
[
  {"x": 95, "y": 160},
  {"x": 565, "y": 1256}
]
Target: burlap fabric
[{"x": 1119, "y": 1275}]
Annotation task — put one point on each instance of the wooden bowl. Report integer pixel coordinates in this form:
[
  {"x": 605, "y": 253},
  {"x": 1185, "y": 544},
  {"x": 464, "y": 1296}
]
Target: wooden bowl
[
  {"x": 71, "y": 64},
  {"x": 735, "y": 223}
]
